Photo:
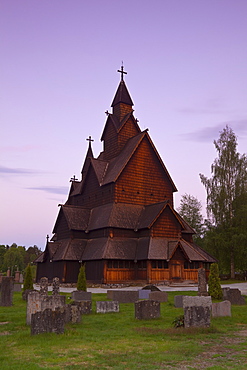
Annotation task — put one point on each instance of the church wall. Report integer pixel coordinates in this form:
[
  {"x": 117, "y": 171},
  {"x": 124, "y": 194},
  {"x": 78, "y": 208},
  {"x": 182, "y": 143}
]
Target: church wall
[
  {"x": 93, "y": 194},
  {"x": 143, "y": 181},
  {"x": 166, "y": 225},
  {"x": 62, "y": 229},
  {"x": 95, "y": 271},
  {"x": 127, "y": 131},
  {"x": 110, "y": 141},
  {"x": 122, "y": 109}
]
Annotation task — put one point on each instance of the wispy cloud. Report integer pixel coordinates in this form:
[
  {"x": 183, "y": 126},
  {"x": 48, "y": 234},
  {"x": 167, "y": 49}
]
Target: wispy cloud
[
  {"x": 52, "y": 189},
  {"x": 211, "y": 106},
  {"x": 17, "y": 171},
  {"x": 209, "y": 134}
]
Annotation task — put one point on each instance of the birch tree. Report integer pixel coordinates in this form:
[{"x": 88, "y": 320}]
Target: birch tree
[{"x": 226, "y": 192}]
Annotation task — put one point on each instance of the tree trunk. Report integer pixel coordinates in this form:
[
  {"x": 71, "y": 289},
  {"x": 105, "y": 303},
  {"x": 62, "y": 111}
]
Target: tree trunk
[{"x": 232, "y": 265}]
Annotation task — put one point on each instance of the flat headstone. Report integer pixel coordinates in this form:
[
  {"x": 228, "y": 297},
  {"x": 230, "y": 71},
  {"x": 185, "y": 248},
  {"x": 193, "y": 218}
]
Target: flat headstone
[
  {"x": 145, "y": 310},
  {"x": 17, "y": 287},
  {"x": 6, "y": 294},
  {"x": 80, "y": 295},
  {"x": 233, "y": 295},
  {"x": 125, "y": 296},
  {"x": 221, "y": 309},
  {"x": 202, "y": 282},
  {"x": 158, "y": 296},
  {"x": 144, "y": 293},
  {"x": 197, "y": 311},
  {"x": 107, "y": 306},
  {"x": 48, "y": 321},
  {"x": 178, "y": 301}
]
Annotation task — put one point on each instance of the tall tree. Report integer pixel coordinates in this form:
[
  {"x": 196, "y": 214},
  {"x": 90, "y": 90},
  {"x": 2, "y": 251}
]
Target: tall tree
[
  {"x": 190, "y": 209},
  {"x": 226, "y": 190}
]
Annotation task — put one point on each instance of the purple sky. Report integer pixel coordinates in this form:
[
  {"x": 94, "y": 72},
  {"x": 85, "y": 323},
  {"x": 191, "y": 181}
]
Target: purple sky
[{"x": 186, "y": 62}]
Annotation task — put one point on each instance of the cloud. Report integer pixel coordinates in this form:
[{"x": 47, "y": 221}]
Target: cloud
[
  {"x": 18, "y": 148},
  {"x": 209, "y": 134},
  {"x": 52, "y": 189},
  {"x": 17, "y": 171}
]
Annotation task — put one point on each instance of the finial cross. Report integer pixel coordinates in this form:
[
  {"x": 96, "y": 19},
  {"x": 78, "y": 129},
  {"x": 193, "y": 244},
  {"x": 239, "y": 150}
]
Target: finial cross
[
  {"x": 73, "y": 179},
  {"x": 90, "y": 139},
  {"x": 122, "y": 71}
]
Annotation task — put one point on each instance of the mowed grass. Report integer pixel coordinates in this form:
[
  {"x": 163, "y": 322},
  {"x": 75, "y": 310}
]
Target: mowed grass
[{"x": 115, "y": 340}]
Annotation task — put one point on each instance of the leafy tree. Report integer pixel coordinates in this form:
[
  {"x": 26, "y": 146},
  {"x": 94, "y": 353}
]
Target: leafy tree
[
  {"x": 227, "y": 198},
  {"x": 28, "y": 279},
  {"x": 190, "y": 209},
  {"x": 81, "y": 282},
  {"x": 14, "y": 258},
  {"x": 2, "y": 253},
  {"x": 214, "y": 287},
  {"x": 31, "y": 254}
]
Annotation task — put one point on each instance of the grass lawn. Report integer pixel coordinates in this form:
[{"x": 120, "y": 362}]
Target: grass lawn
[{"x": 119, "y": 341}]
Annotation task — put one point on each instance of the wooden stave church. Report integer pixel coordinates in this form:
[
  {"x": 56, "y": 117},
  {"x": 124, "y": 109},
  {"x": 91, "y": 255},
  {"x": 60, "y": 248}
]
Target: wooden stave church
[{"x": 119, "y": 218}]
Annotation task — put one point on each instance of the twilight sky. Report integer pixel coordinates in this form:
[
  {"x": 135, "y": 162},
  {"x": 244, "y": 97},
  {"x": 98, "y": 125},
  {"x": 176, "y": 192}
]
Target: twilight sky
[{"x": 186, "y": 62}]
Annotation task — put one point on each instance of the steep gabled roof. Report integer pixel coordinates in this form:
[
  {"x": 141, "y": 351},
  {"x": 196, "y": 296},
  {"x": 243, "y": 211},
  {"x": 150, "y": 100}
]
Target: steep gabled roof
[
  {"x": 122, "y": 95},
  {"x": 118, "y": 123}
]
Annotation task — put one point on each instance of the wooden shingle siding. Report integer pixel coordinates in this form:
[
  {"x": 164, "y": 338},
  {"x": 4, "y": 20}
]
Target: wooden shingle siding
[
  {"x": 122, "y": 109},
  {"x": 143, "y": 181},
  {"x": 166, "y": 225},
  {"x": 63, "y": 231}
]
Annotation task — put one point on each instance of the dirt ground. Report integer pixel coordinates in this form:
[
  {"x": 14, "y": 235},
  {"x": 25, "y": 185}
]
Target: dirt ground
[{"x": 228, "y": 353}]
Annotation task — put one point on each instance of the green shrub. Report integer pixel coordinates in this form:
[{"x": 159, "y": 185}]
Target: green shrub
[
  {"x": 214, "y": 287},
  {"x": 178, "y": 322},
  {"x": 28, "y": 280},
  {"x": 82, "y": 282}
]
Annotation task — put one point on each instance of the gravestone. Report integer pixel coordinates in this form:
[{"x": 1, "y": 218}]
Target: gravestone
[
  {"x": 221, "y": 309},
  {"x": 151, "y": 287},
  {"x": 7, "y": 286},
  {"x": 158, "y": 296},
  {"x": 144, "y": 293},
  {"x": 17, "y": 287},
  {"x": 125, "y": 296},
  {"x": 202, "y": 282},
  {"x": 178, "y": 301},
  {"x": 55, "y": 286},
  {"x": 72, "y": 313},
  {"x": 233, "y": 295},
  {"x": 48, "y": 321},
  {"x": 17, "y": 276},
  {"x": 107, "y": 306},
  {"x": 85, "y": 307},
  {"x": 80, "y": 295},
  {"x": 44, "y": 286},
  {"x": 40, "y": 301},
  {"x": 33, "y": 304},
  {"x": 145, "y": 310},
  {"x": 197, "y": 311}
]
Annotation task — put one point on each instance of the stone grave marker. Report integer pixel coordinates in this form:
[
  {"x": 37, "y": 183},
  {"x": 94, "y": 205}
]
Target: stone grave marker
[
  {"x": 7, "y": 286},
  {"x": 144, "y": 293},
  {"x": 197, "y": 311},
  {"x": 80, "y": 295},
  {"x": 233, "y": 295},
  {"x": 107, "y": 306},
  {"x": 85, "y": 307},
  {"x": 43, "y": 286},
  {"x": 48, "y": 321},
  {"x": 178, "y": 301},
  {"x": 202, "y": 282},
  {"x": 145, "y": 310},
  {"x": 158, "y": 296},
  {"x": 125, "y": 296},
  {"x": 221, "y": 309}
]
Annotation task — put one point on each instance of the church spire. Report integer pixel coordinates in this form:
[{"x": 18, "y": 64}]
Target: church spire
[
  {"x": 88, "y": 158},
  {"x": 122, "y": 102}
]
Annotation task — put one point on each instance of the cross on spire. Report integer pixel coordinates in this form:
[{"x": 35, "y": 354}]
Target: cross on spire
[
  {"x": 90, "y": 139},
  {"x": 122, "y": 71},
  {"x": 73, "y": 179}
]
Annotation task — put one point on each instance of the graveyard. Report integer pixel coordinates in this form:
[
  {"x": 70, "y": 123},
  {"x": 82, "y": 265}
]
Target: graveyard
[{"x": 118, "y": 335}]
